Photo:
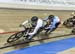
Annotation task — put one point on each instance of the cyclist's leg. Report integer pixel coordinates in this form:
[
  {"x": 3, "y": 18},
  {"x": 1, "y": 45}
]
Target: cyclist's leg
[
  {"x": 56, "y": 26},
  {"x": 28, "y": 30},
  {"x": 48, "y": 31}
]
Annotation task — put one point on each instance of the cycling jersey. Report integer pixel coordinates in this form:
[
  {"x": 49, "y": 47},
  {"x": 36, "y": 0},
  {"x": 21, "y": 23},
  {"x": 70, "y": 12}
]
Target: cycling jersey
[
  {"x": 37, "y": 25},
  {"x": 53, "y": 22}
]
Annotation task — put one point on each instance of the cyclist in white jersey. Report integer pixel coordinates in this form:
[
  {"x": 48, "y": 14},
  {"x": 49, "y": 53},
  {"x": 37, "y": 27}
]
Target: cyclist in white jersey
[{"x": 34, "y": 22}]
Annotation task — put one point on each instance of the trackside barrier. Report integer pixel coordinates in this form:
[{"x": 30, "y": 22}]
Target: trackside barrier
[{"x": 34, "y": 41}]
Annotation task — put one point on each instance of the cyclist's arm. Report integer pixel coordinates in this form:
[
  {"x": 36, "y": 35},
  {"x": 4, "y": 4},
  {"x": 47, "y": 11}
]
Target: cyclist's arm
[{"x": 37, "y": 27}]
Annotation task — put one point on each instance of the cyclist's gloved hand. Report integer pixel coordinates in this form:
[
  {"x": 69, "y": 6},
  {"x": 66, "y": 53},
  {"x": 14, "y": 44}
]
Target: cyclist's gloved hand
[
  {"x": 31, "y": 34},
  {"x": 47, "y": 28}
]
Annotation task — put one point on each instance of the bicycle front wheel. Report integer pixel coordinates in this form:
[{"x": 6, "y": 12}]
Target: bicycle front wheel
[{"x": 15, "y": 37}]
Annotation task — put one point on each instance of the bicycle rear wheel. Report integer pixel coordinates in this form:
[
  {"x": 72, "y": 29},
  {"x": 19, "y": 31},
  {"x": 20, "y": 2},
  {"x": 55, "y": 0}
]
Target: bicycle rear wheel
[{"x": 15, "y": 37}]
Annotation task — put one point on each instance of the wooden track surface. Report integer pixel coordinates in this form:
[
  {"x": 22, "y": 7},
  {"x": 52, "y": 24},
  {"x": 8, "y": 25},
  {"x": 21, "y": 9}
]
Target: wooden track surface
[{"x": 10, "y": 20}]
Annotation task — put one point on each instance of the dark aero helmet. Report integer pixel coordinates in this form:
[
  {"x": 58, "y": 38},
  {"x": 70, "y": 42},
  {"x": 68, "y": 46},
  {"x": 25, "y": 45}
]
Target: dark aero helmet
[
  {"x": 34, "y": 18},
  {"x": 51, "y": 17}
]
